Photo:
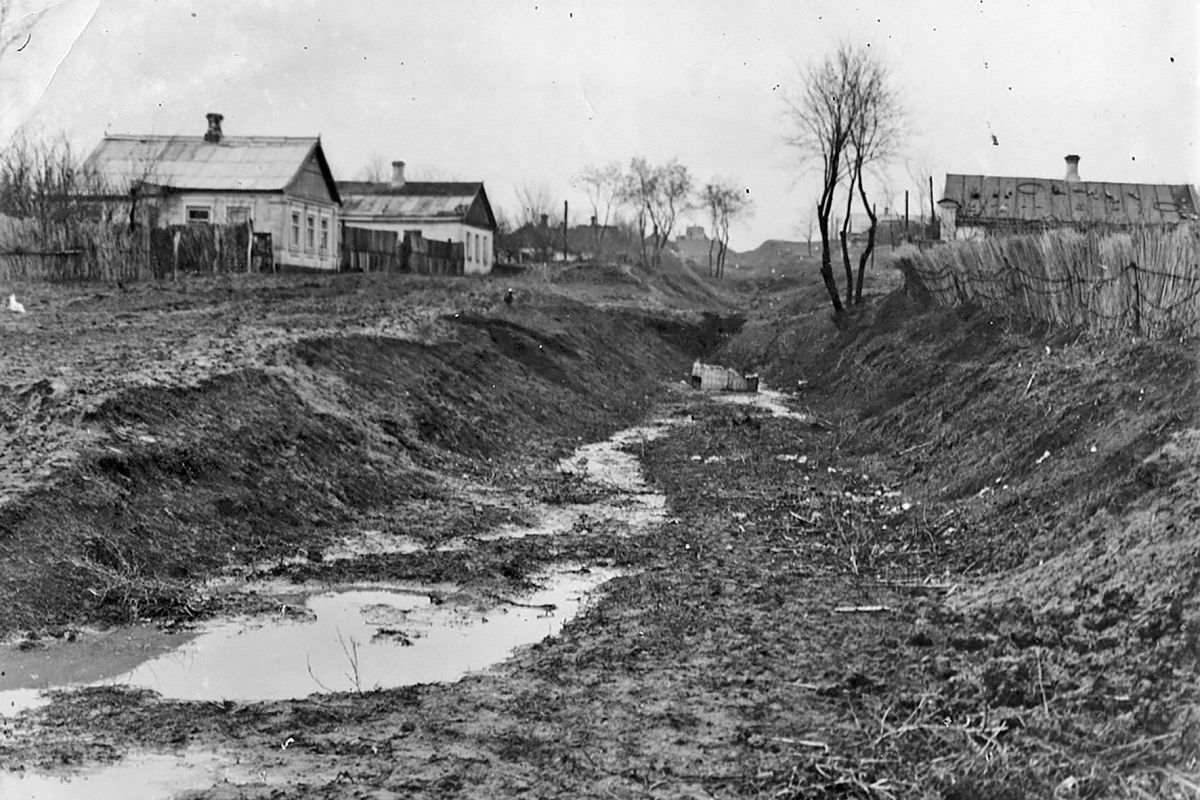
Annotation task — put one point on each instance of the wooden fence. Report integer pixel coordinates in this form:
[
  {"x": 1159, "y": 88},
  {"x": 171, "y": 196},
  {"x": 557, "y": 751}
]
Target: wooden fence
[
  {"x": 1145, "y": 280},
  {"x": 430, "y": 257},
  {"x": 369, "y": 250}
]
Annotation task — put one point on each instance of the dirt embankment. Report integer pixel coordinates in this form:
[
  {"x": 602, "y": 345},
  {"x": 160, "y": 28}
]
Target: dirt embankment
[
  {"x": 1053, "y": 478},
  {"x": 322, "y": 436}
]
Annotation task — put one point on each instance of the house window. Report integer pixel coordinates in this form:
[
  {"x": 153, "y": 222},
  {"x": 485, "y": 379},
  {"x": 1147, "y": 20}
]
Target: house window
[
  {"x": 295, "y": 230},
  {"x": 310, "y": 233},
  {"x": 199, "y": 214},
  {"x": 467, "y": 254},
  {"x": 478, "y": 247},
  {"x": 237, "y": 215},
  {"x": 324, "y": 235}
]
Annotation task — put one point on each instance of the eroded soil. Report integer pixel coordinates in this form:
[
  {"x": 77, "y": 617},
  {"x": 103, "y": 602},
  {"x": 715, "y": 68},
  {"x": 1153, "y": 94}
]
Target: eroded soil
[{"x": 964, "y": 568}]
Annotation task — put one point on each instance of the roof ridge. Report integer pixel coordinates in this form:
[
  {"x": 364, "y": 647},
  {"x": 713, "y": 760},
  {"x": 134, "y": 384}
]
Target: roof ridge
[
  {"x": 163, "y": 137},
  {"x": 1060, "y": 180}
]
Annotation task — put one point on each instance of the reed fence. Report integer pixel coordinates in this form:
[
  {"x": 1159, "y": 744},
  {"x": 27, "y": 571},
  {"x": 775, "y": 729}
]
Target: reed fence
[
  {"x": 1144, "y": 280},
  {"x": 83, "y": 251}
]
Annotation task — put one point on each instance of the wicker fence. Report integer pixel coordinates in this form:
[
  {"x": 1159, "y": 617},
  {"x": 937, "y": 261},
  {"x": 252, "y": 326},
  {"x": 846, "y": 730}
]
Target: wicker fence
[
  {"x": 1145, "y": 281},
  {"x": 105, "y": 251}
]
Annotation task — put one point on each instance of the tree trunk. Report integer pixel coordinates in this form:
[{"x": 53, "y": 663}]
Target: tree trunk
[
  {"x": 845, "y": 237},
  {"x": 827, "y": 259},
  {"x": 711, "y": 242},
  {"x": 866, "y": 254}
]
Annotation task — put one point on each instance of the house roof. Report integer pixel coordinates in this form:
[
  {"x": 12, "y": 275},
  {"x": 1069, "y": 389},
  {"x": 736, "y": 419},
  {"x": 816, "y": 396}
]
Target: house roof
[
  {"x": 985, "y": 199},
  {"x": 236, "y": 163},
  {"x": 415, "y": 199}
]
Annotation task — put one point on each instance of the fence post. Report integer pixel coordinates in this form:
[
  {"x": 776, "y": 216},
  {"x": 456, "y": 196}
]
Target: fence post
[
  {"x": 175, "y": 254},
  {"x": 1137, "y": 298}
]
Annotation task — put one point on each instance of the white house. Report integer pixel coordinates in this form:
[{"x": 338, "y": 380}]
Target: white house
[
  {"x": 281, "y": 185},
  {"x": 439, "y": 210}
]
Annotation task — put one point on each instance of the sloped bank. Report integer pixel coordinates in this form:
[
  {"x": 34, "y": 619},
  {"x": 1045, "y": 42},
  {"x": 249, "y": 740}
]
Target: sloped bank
[
  {"x": 263, "y": 464},
  {"x": 1053, "y": 477}
]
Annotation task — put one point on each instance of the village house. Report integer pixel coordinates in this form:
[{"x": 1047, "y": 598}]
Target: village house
[
  {"x": 978, "y": 206},
  {"x": 439, "y": 211},
  {"x": 280, "y": 185}
]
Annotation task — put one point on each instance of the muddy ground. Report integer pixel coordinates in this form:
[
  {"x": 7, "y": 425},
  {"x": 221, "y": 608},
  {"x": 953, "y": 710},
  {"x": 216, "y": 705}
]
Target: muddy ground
[{"x": 965, "y": 568}]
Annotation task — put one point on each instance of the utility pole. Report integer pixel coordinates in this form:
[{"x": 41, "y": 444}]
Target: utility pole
[
  {"x": 906, "y": 215},
  {"x": 932, "y": 210},
  {"x": 564, "y": 231}
]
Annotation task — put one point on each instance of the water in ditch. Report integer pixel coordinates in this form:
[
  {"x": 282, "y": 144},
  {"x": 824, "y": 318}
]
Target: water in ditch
[{"x": 348, "y": 638}]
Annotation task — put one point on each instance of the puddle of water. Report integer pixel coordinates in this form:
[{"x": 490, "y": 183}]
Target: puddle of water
[
  {"x": 355, "y": 639},
  {"x": 146, "y": 776},
  {"x": 768, "y": 399},
  {"x": 94, "y": 656},
  {"x": 634, "y": 505}
]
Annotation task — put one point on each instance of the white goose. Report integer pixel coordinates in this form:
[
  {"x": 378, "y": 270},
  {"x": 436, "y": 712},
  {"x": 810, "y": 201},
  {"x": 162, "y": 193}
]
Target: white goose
[{"x": 14, "y": 306}]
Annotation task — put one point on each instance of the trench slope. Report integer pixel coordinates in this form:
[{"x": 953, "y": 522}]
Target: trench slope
[{"x": 267, "y": 463}]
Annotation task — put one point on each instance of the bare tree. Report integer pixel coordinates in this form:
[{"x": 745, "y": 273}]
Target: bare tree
[
  {"x": 44, "y": 182},
  {"x": 875, "y": 131},
  {"x": 820, "y": 119},
  {"x": 808, "y": 219},
  {"x": 533, "y": 200},
  {"x": 726, "y": 202},
  {"x": 661, "y": 194},
  {"x": 846, "y": 118},
  {"x": 635, "y": 185},
  {"x": 603, "y": 186},
  {"x": 920, "y": 171},
  {"x": 536, "y": 214},
  {"x": 376, "y": 170}
]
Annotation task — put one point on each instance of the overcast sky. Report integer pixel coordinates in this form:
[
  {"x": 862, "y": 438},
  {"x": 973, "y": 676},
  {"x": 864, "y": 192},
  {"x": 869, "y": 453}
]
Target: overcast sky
[{"x": 530, "y": 92}]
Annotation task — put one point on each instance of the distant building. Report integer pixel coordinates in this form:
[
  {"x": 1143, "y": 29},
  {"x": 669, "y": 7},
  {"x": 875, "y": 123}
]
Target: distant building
[
  {"x": 543, "y": 242},
  {"x": 281, "y": 185},
  {"x": 976, "y": 206},
  {"x": 446, "y": 211}
]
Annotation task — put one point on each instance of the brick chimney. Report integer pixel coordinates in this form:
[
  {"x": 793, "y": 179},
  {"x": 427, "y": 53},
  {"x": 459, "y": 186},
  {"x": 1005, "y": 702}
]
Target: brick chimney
[
  {"x": 214, "y": 127},
  {"x": 397, "y": 174},
  {"x": 1072, "y": 169}
]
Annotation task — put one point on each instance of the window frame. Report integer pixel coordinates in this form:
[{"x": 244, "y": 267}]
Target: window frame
[
  {"x": 191, "y": 209},
  {"x": 230, "y": 213},
  {"x": 310, "y": 232},
  {"x": 294, "y": 244},
  {"x": 323, "y": 236}
]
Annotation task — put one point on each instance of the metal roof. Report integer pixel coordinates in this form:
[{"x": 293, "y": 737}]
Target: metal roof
[
  {"x": 236, "y": 163},
  {"x": 987, "y": 199},
  {"x": 413, "y": 200}
]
